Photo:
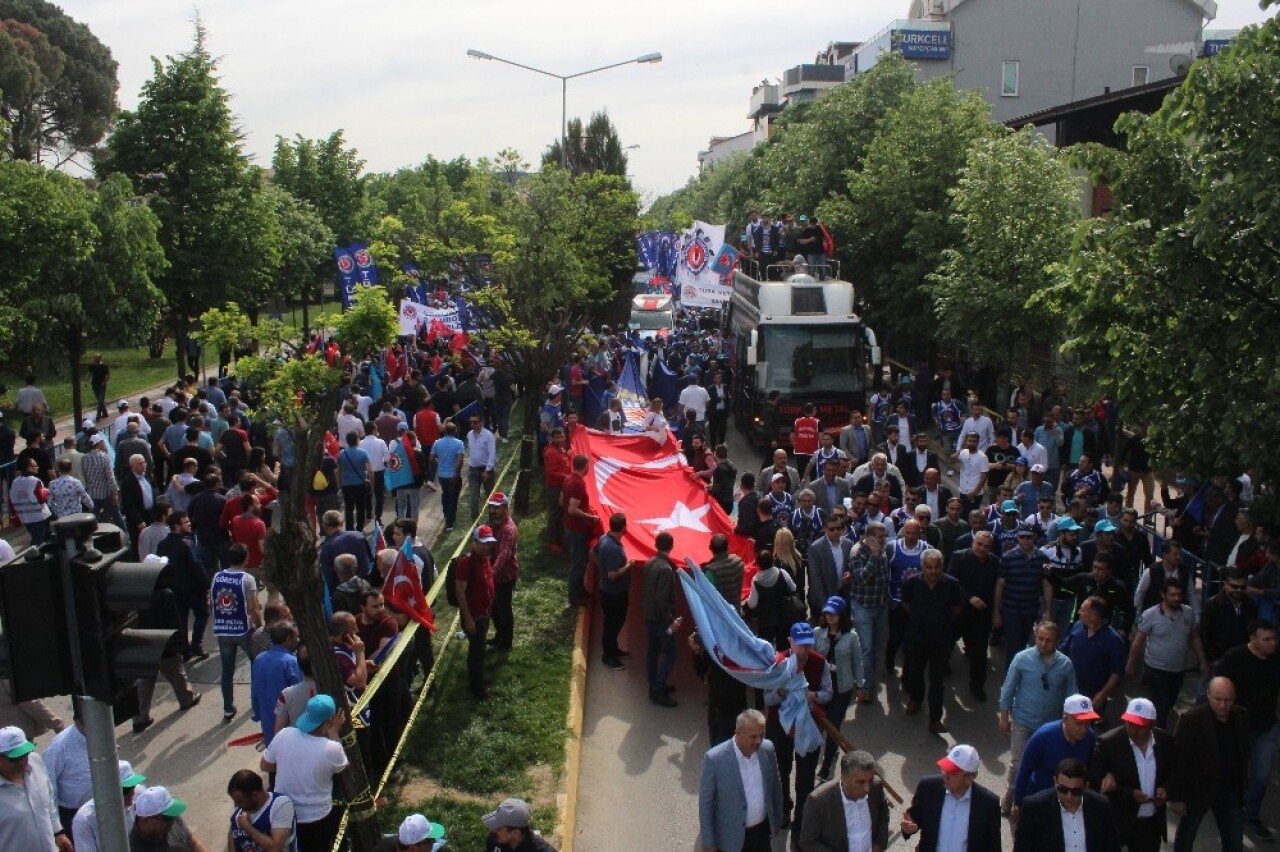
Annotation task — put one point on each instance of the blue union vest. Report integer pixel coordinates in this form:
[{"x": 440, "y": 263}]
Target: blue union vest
[{"x": 230, "y": 609}]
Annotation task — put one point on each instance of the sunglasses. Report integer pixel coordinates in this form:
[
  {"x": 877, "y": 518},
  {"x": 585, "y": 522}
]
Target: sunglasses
[
  {"x": 1239, "y": 587},
  {"x": 1070, "y": 791}
]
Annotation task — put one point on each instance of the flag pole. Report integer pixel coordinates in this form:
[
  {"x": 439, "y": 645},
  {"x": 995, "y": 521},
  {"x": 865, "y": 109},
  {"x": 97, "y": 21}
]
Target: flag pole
[{"x": 846, "y": 746}]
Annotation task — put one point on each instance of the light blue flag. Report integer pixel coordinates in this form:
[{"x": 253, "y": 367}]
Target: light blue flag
[
  {"x": 398, "y": 472},
  {"x": 748, "y": 658}
]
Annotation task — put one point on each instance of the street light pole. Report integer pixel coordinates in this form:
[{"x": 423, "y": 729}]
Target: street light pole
[{"x": 647, "y": 59}]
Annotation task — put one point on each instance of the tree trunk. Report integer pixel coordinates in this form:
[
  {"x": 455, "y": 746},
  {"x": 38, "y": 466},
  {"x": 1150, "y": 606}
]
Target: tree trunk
[
  {"x": 306, "y": 314},
  {"x": 180, "y": 343},
  {"x": 75, "y": 349},
  {"x": 291, "y": 563}
]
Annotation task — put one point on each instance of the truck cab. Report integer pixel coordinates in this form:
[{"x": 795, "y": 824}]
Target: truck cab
[{"x": 652, "y": 316}]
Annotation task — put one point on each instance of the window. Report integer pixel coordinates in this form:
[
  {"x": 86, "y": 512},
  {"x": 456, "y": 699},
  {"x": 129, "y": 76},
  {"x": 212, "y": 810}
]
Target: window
[
  {"x": 817, "y": 359},
  {"x": 1141, "y": 73},
  {"x": 1009, "y": 79}
]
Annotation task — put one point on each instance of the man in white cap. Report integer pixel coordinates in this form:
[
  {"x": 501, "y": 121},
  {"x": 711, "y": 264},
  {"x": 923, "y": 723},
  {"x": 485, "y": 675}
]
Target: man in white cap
[
  {"x": 119, "y": 425},
  {"x": 952, "y": 808},
  {"x": 416, "y": 834},
  {"x": 509, "y": 829},
  {"x": 506, "y": 569},
  {"x": 28, "y": 808},
  {"x": 84, "y": 826},
  {"x": 262, "y": 821},
  {"x": 1053, "y": 742},
  {"x": 158, "y": 823},
  {"x": 1132, "y": 766}
]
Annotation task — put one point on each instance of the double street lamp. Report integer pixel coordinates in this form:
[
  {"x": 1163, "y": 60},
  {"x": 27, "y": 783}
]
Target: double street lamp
[{"x": 647, "y": 59}]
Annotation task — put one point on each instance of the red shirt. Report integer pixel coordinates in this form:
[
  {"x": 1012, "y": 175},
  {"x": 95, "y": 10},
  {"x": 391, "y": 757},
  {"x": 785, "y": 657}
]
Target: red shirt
[
  {"x": 426, "y": 425},
  {"x": 575, "y": 487},
  {"x": 804, "y": 436},
  {"x": 477, "y": 572},
  {"x": 557, "y": 465},
  {"x": 248, "y": 530}
]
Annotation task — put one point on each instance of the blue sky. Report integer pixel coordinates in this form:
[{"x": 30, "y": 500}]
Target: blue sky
[{"x": 395, "y": 75}]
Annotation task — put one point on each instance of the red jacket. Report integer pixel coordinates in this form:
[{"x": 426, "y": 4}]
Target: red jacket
[{"x": 557, "y": 464}]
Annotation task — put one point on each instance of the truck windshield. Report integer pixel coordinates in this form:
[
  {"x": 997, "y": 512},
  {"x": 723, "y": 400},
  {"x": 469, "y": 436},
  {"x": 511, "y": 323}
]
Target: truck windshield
[
  {"x": 650, "y": 320},
  {"x": 812, "y": 359}
]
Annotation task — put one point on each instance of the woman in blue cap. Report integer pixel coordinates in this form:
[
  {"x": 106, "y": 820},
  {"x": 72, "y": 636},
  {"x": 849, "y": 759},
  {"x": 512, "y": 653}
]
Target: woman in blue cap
[{"x": 837, "y": 641}]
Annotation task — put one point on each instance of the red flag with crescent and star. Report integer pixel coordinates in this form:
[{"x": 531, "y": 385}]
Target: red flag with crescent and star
[
  {"x": 403, "y": 589},
  {"x": 646, "y": 477}
]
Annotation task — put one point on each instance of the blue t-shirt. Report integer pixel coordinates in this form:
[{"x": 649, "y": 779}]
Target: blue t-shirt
[
  {"x": 351, "y": 466},
  {"x": 448, "y": 451}
]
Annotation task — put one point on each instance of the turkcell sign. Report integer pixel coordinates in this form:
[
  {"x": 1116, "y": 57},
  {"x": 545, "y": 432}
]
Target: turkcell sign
[{"x": 923, "y": 44}]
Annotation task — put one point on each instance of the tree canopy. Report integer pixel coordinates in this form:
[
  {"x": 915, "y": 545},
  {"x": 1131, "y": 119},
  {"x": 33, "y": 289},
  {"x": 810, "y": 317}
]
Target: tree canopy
[
  {"x": 57, "y": 82},
  {"x": 325, "y": 174},
  {"x": 594, "y": 148}
]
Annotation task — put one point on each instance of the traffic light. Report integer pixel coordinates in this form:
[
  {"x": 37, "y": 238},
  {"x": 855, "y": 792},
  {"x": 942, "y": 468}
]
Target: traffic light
[{"x": 71, "y": 610}]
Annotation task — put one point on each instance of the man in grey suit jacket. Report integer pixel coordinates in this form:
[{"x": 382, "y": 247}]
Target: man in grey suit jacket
[
  {"x": 736, "y": 811},
  {"x": 824, "y": 828},
  {"x": 829, "y": 485},
  {"x": 826, "y": 578},
  {"x": 859, "y": 450}
]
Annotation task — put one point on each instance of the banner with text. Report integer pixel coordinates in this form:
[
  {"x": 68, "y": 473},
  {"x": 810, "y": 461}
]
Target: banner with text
[{"x": 414, "y": 316}]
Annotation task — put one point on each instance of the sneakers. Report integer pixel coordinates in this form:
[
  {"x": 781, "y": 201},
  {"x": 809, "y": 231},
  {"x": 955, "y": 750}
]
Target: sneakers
[
  {"x": 1258, "y": 830},
  {"x": 228, "y": 715},
  {"x": 616, "y": 665}
]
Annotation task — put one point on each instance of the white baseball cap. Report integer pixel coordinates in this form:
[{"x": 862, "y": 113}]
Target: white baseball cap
[
  {"x": 961, "y": 758},
  {"x": 129, "y": 778},
  {"x": 554, "y": 390},
  {"x": 1140, "y": 712},
  {"x": 97, "y": 439},
  {"x": 157, "y": 801},
  {"x": 87, "y": 423},
  {"x": 124, "y": 403},
  {"x": 1038, "y": 468},
  {"x": 14, "y": 743},
  {"x": 1080, "y": 708},
  {"x": 416, "y": 829}
]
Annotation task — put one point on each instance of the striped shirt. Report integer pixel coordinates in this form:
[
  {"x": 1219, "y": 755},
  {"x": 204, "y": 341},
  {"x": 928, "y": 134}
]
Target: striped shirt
[{"x": 1022, "y": 574}]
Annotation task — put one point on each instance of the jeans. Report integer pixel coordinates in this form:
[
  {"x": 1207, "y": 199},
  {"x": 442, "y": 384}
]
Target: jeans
[
  {"x": 1162, "y": 688},
  {"x": 1017, "y": 630},
  {"x": 835, "y": 710},
  {"x": 1018, "y": 736},
  {"x": 577, "y": 565},
  {"x": 196, "y": 604},
  {"x": 660, "y": 656},
  {"x": 1262, "y": 750},
  {"x": 897, "y": 632},
  {"x": 948, "y": 446},
  {"x": 478, "y": 491},
  {"x": 355, "y": 499},
  {"x": 408, "y": 501},
  {"x": 1060, "y": 612},
  {"x": 504, "y": 619},
  {"x": 501, "y": 416},
  {"x": 872, "y": 626},
  {"x": 450, "y": 490},
  {"x": 100, "y": 397},
  {"x": 614, "y": 605},
  {"x": 1228, "y": 812},
  {"x": 39, "y": 532},
  {"x": 227, "y": 647},
  {"x": 919, "y": 656}
]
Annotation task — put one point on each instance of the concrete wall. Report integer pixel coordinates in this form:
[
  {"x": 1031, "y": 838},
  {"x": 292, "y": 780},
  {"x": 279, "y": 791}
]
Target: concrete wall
[{"x": 1067, "y": 49}]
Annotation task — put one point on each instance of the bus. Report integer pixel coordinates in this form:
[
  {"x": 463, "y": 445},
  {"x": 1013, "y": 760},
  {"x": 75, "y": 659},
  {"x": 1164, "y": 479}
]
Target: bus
[
  {"x": 800, "y": 337},
  {"x": 652, "y": 316}
]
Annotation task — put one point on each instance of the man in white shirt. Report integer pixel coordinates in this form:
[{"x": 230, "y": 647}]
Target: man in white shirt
[
  {"x": 120, "y": 425},
  {"x": 740, "y": 792},
  {"x": 28, "y": 815},
  {"x": 379, "y": 454},
  {"x": 973, "y": 464},
  {"x": 305, "y": 758},
  {"x": 482, "y": 454},
  {"x": 980, "y": 424},
  {"x": 67, "y": 761},
  {"x": 695, "y": 396},
  {"x": 84, "y": 826},
  {"x": 1031, "y": 451},
  {"x": 348, "y": 422},
  {"x": 849, "y": 812}
]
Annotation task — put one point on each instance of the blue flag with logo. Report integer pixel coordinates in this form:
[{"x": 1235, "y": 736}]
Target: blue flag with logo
[
  {"x": 746, "y": 657},
  {"x": 666, "y": 384},
  {"x": 398, "y": 472},
  {"x": 366, "y": 269},
  {"x": 725, "y": 259},
  {"x": 346, "y": 274},
  {"x": 646, "y": 252}
]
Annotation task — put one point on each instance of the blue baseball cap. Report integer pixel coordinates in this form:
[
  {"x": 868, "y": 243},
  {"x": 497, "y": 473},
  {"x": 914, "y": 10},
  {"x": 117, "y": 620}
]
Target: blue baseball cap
[
  {"x": 1008, "y": 506},
  {"x": 1068, "y": 525},
  {"x": 802, "y": 633},
  {"x": 835, "y": 604},
  {"x": 320, "y": 709},
  {"x": 1104, "y": 526},
  {"x": 1022, "y": 460}
]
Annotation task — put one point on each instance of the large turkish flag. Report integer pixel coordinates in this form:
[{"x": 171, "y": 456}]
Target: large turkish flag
[{"x": 649, "y": 481}]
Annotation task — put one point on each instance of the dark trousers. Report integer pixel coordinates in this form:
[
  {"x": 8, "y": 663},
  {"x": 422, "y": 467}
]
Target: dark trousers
[
  {"x": 475, "y": 653},
  {"x": 1163, "y": 688},
  {"x": 717, "y": 426},
  {"x": 1017, "y": 633},
  {"x": 379, "y": 494},
  {"x": 920, "y": 656},
  {"x": 355, "y": 499},
  {"x": 758, "y": 838},
  {"x": 835, "y": 710},
  {"x": 1228, "y": 812},
  {"x": 660, "y": 656},
  {"x": 1145, "y": 834},
  {"x": 504, "y": 618},
  {"x": 319, "y": 836},
  {"x": 897, "y": 631},
  {"x": 720, "y": 727},
  {"x": 195, "y": 604},
  {"x": 212, "y": 558},
  {"x": 450, "y": 490},
  {"x": 614, "y": 606},
  {"x": 555, "y": 517},
  {"x": 577, "y": 565},
  {"x": 99, "y": 396},
  {"x": 975, "y": 629},
  {"x": 806, "y": 766}
]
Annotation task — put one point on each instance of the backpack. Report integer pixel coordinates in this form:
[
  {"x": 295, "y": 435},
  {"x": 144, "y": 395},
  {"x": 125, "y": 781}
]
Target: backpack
[{"x": 828, "y": 244}]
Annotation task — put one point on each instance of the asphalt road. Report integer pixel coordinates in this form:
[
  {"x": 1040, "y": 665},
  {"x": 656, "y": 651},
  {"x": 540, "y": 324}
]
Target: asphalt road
[{"x": 638, "y": 788}]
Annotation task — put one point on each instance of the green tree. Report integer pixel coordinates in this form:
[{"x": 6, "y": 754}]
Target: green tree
[
  {"x": 595, "y": 148},
  {"x": 302, "y": 395},
  {"x": 1173, "y": 302},
  {"x": 306, "y": 246},
  {"x": 57, "y": 82},
  {"x": 182, "y": 150},
  {"x": 896, "y": 218},
  {"x": 1016, "y": 204},
  {"x": 326, "y": 174}
]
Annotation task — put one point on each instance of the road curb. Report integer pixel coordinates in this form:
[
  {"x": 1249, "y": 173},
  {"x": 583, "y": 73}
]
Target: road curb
[{"x": 573, "y": 748}]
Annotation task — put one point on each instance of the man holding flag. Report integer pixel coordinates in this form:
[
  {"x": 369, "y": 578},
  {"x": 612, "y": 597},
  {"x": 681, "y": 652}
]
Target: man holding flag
[{"x": 818, "y": 691}]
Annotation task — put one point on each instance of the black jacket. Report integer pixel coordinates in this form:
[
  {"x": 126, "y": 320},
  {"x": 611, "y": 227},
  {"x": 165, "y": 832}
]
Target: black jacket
[
  {"x": 984, "y": 815},
  {"x": 1040, "y": 824},
  {"x": 1113, "y": 754}
]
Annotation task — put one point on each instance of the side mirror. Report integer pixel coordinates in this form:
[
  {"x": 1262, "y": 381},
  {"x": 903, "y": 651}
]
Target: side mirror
[{"x": 752, "y": 344}]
